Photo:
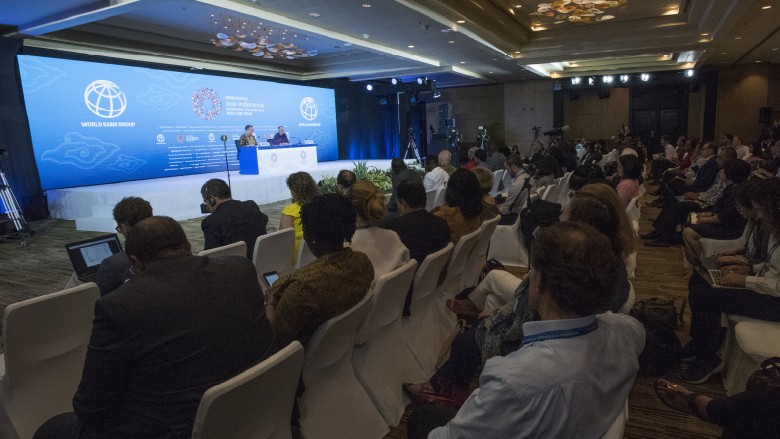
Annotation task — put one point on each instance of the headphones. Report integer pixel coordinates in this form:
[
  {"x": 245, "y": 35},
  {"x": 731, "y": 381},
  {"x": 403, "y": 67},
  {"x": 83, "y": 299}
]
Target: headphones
[{"x": 210, "y": 200}]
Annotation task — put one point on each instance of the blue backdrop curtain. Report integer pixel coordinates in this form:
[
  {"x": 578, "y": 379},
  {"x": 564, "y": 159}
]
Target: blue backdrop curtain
[{"x": 19, "y": 165}]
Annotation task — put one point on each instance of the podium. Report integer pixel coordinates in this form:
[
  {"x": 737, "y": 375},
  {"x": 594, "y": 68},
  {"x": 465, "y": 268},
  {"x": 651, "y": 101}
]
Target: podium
[{"x": 254, "y": 160}]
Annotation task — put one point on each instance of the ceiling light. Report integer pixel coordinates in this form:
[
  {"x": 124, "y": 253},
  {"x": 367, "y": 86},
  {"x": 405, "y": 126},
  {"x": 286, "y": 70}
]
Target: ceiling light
[
  {"x": 511, "y": 11},
  {"x": 518, "y": 6},
  {"x": 463, "y": 62},
  {"x": 575, "y": 81},
  {"x": 644, "y": 77},
  {"x": 461, "y": 21},
  {"x": 411, "y": 46},
  {"x": 451, "y": 41},
  {"x": 737, "y": 38},
  {"x": 624, "y": 78},
  {"x": 724, "y": 53},
  {"x": 591, "y": 80},
  {"x": 758, "y": 61},
  {"x": 395, "y": 81},
  {"x": 689, "y": 73},
  {"x": 776, "y": 48},
  {"x": 607, "y": 79},
  {"x": 366, "y": 5},
  {"x": 370, "y": 87},
  {"x": 490, "y": 73},
  {"x": 420, "y": 80},
  {"x": 314, "y": 15},
  {"x": 704, "y": 34},
  {"x": 766, "y": 7}
]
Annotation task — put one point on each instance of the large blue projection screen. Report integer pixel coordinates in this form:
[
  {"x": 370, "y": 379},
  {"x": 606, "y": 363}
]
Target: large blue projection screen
[{"x": 96, "y": 123}]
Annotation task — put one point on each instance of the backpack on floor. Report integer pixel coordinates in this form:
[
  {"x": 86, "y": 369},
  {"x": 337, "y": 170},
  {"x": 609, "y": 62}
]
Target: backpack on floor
[{"x": 662, "y": 347}]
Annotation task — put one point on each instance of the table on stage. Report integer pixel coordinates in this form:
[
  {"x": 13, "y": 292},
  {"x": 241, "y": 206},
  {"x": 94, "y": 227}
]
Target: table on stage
[{"x": 254, "y": 160}]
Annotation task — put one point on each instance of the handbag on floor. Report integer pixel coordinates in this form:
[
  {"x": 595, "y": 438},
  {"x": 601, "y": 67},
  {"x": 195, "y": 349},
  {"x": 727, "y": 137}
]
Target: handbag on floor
[{"x": 766, "y": 378}]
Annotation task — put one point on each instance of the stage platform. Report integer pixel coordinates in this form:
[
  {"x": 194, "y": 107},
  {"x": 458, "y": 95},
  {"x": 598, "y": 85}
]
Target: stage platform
[{"x": 177, "y": 197}]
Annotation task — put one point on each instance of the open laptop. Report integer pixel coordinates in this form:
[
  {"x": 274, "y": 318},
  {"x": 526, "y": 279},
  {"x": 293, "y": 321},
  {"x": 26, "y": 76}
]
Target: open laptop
[
  {"x": 707, "y": 268},
  {"x": 86, "y": 256}
]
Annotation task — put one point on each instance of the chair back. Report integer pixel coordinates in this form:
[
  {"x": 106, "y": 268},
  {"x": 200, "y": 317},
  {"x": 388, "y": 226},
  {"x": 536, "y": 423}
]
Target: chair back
[
  {"x": 46, "y": 342},
  {"x": 618, "y": 426},
  {"x": 427, "y": 276},
  {"x": 305, "y": 256},
  {"x": 234, "y": 249},
  {"x": 634, "y": 212},
  {"x": 498, "y": 177},
  {"x": 274, "y": 252},
  {"x": 478, "y": 254},
  {"x": 430, "y": 199},
  {"x": 256, "y": 403},
  {"x": 454, "y": 282},
  {"x": 440, "y": 197},
  {"x": 388, "y": 302}
]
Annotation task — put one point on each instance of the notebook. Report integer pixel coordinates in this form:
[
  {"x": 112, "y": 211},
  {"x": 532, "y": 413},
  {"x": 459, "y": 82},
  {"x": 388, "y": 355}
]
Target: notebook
[
  {"x": 707, "y": 268},
  {"x": 86, "y": 256}
]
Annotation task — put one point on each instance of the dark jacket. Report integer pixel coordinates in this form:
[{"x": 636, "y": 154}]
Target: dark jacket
[
  {"x": 706, "y": 175},
  {"x": 421, "y": 232},
  {"x": 234, "y": 221}
]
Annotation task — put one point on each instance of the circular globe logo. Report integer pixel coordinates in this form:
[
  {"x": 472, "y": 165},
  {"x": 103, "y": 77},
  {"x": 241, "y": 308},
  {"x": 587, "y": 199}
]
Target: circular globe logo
[
  {"x": 105, "y": 99},
  {"x": 308, "y": 108}
]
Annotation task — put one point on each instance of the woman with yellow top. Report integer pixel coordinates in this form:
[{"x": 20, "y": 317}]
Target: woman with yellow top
[{"x": 303, "y": 189}]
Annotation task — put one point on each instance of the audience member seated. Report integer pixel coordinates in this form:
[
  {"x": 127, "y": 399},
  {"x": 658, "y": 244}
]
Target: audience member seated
[
  {"x": 535, "y": 391},
  {"x": 698, "y": 178},
  {"x": 463, "y": 204},
  {"x": 445, "y": 161},
  {"x": 592, "y": 154},
  {"x": 501, "y": 330},
  {"x": 751, "y": 414},
  {"x": 497, "y": 157},
  {"x": 772, "y": 166},
  {"x": 586, "y": 174},
  {"x": 399, "y": 173},
  {"x": 516, "y": 197},
  {"x": 662, "y": 162},
  {"x": 471, "y": 162},
  {"x": 760, "y": 300},
  {"x": 629, "y": 172},
  {"x": 230, "y": 220},
  {"x": 297, "y": 304},
  {"x": 147, "y": 363},
  {"x": 675, "y": 213},
  {"x": 435, "y": 177},
  {"x": 383, "y": 247},
  {"x": 344, "y": 180},
  {"x": 115, "y": 269},
  {"x": 744, "y": 206},
  {"x": 485, "y": 178},
  {"x": 480, "y": 158},
  {"x": 303, "y": 189},
  {"x": 725, "y": 221}
]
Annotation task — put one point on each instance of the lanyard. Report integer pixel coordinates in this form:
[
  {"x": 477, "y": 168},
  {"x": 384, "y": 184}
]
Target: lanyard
[
  {"x": 765, "y": 268},
  {"x": 562, "y": 333}
]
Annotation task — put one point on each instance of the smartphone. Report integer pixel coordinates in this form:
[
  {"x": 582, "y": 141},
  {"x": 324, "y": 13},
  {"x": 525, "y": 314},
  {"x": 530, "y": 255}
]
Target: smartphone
[{"x": 270, "y": 278}]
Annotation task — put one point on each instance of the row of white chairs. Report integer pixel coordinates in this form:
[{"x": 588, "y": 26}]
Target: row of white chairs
[
  {"x": 434, "y": 198},
  {"x": 46, "y": 340}
]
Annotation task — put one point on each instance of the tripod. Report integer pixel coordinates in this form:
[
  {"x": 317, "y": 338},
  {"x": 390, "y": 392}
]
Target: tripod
[
  {"x": 411, "y": 148},
  {"x": 10, "y": 207},
  {"x": 224, "y": 139}
]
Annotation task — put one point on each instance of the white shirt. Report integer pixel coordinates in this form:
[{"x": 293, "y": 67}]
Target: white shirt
[
  {"x": 571, "y": 387},
  {"x": 671, "y": 152},
  {"x": 436, "y": 179},
  {"x": 383, "y": 247}
]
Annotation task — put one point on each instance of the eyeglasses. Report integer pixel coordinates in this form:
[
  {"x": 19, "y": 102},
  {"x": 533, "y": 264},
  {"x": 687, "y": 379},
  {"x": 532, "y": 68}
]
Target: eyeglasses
[{"x": 118, "y": 228}]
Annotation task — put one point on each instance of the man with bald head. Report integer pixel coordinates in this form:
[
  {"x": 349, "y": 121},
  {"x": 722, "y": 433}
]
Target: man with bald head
[{"x": 182, "y": 324}]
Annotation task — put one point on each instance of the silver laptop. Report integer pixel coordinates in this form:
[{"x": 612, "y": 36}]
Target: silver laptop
[
  {"x": 86, "y": 256},
  {"x": 707, "y": 268}
]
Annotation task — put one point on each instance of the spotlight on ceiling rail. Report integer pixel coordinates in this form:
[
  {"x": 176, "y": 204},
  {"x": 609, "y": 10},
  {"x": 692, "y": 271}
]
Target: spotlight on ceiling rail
[
  {"x": 576, "y": 81},
  {"x": 370, "y": 87},
  {"x": 644, "y": 77},
  {"x": 395, "y": 81},
  {"x": 607, "y": 79},
  {"x": 689, "y": 73},
  {"x": 624, "y": 78}
]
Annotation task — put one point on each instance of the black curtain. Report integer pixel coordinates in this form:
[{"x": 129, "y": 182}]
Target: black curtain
[{"x": 19, "y": 164}]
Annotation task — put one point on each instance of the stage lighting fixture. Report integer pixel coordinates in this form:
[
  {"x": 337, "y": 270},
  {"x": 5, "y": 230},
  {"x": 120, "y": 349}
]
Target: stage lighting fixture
[
  {"x": 370, "y": 87},
  {"x": 645, "y": 77},
  {"x": 624, "y": 78},
  {"x": 591, "y": 80},
  {"x": 607, "y": 79},
  {"x": 395, "y": 81},
  {"x": 422, "y": 80},
  {"x": 576, "y": 81},
  {"x": 689, "y": 73}
]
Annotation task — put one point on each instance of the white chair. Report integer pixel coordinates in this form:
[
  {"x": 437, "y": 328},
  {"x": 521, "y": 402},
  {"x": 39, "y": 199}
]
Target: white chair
[
  {"x": 507, "y": 245},
  {"x": 382, "y": 338},
  {"x": 274, "y": 252},
  {"x": 544, "y": 193},
  {"x": 629, "y": 303},
  {"x": 421, "y": 338},
  {"x": 478, "y": 254},
  {"x": 430, "y": 199},
  {"x": 561, "y": 195},
  {"x": 46, "y": 342},
  {"x": 634, "y": 213},
  {"x": 331, "y": 388},
  {"x": 256, "y": 403},
  {"x": 498, "y": 177},
  {"x": 234, "y": 249},
  {"x": 305, "y": 256},
  {"x": 748, "y": 343},
  {"x": 618, "y": 426}
]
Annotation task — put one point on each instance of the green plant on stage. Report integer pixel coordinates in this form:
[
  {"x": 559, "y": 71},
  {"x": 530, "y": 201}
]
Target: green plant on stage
[
  {"x": 328, "y": 185},
  {"x": 360, "y": 169},
  {"x": 380, "y": 178}
]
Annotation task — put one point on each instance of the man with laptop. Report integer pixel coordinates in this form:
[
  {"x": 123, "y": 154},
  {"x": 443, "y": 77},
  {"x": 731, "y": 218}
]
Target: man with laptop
[{"x": 181, "y": 325}]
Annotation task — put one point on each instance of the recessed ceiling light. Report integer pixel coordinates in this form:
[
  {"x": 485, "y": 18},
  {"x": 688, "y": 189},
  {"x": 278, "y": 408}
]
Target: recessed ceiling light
[
  {"x": 511, "y": 11},
  {"x": 366, "y": 5},
  {"x": 518, "y": 6},
  {"x": 724, "y": 53},
  {"x": 451, "y": 41},
  {"x": 704, "y": 34},
  {"x": 314, "y": 14},
  {"x": 496, "y": 59},
  {"x": 758, "y": 61},
  {"x": 776, "y": 48},
  {"x": 737, "y": 38},
  {"x": 463, "y": 62},
  {"x": 490, "y": 73},
  {"x": 766, "y": 7},
  {"x": 411, "y": 46},
  {"x": 461, "y": 21}
]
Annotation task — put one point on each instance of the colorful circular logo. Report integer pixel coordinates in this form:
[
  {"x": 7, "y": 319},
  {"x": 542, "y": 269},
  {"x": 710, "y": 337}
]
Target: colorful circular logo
[
  {"x": 105, "y": 99},
  {"x": 206, "y": 103}
]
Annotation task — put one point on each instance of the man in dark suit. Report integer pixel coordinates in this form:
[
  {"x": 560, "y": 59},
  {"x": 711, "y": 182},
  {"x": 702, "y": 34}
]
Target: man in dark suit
[
  {"x": 115, "y": 269},
  {"x": 183, "y": 324},
  {"x": 230, "y": 220},
  {"x": 420, "y": 231}
]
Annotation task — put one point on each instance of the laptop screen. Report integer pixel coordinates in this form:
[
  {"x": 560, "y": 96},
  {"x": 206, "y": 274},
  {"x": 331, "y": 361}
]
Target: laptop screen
[{"x": 87, "y": 255}]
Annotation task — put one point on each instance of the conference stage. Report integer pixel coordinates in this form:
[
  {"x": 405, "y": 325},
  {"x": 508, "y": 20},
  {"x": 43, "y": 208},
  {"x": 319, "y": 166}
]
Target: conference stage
[{"x": 178, "y": 197}]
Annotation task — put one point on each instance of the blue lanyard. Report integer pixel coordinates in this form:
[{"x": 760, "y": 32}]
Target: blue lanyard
[{"x": 562, "y": 333}]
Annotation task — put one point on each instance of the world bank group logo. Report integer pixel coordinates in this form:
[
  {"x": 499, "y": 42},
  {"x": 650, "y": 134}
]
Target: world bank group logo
[
  {"x": 105, "y": 99},
  {"x": 308, "y": 108}
]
